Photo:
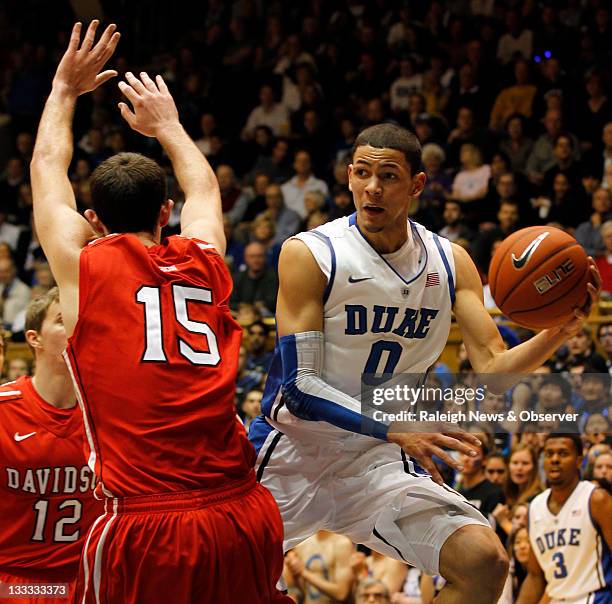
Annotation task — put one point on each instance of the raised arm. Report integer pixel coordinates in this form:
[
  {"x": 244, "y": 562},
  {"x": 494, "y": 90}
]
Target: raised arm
[
  {"x": 154, "y": 114},
  {"x": 62, "y": 231},
  {"x": 483, "y": 343},
  {"x": 299, "y": 319}
]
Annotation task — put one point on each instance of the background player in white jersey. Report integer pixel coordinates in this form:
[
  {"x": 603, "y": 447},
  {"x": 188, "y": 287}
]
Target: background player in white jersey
[
  {"x": 570, "y": 529},
  {"x": 373, "y": 293}
]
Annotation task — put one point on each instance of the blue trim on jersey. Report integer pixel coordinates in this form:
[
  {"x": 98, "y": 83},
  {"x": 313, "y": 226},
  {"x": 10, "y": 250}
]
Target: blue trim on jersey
[
  {"x": 603, "y": 596},
  {"x": 314, "y": 408},
  {"x": 274, "y": 382},
  {"x": 332, "y": 273},
  {"x": 353, "y": 222},
  {"x": 258, "y": 432},
  {"x": 605, "y": 555},
  {"x": 451, "y": 281}
]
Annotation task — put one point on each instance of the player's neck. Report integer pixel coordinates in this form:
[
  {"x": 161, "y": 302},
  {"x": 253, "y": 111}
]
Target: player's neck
[
  {"x": 148, "y": 239},
  {"x": 388, "y": 240},
  {"x": 560, "y": 494},
  {"x": 53, "y": 386}
]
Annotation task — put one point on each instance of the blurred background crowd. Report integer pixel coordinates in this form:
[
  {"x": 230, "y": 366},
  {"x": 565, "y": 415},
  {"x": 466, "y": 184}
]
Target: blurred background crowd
[{"x": 510, "y": 100}]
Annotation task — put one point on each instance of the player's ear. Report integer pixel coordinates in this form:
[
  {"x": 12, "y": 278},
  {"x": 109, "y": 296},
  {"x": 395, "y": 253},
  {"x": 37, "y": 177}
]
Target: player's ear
[
  {"x": 165, "y": 212},
  {"x": 31, "y": 337},
  {"x": 418, "y": 183},
  {"x": 350, "y": 174},
  {"x": 96, "y": 224}
]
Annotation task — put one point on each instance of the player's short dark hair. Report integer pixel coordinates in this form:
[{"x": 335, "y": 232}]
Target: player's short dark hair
[
  {"x": 390, "y": 136},
  {"x": 574, "y": 437},
  {"x": 36, "y": 311},
  {"x": 127, "y": 191}
]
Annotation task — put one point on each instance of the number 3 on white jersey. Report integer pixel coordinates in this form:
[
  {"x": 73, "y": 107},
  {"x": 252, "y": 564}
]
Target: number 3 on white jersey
[{"x": 154, "y": 341}]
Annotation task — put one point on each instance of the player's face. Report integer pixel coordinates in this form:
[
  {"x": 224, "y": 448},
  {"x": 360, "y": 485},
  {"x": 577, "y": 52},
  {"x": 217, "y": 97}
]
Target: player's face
[
  {"x": 561, "y": 461},
  {"x": 521, "y": 468},
  {"x": 522, "y": 546},
  {"x": 383, "y": 187},
  {"x": 52, "y": 332}
]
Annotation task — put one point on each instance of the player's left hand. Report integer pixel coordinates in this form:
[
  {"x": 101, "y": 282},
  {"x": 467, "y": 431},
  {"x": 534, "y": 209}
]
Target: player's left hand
[
  {"x": 79, "y": 70},
  {"x": 573, "y": 326}
]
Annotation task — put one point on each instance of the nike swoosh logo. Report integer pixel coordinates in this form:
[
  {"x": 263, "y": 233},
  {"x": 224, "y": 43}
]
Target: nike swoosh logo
[
  {"x": 522, "y": 260},
  {"x": 18, "y": 437},
  {"x": 353, "y": 280}
]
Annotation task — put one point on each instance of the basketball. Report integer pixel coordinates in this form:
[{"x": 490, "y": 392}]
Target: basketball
[{"x": 538, "y": 276}]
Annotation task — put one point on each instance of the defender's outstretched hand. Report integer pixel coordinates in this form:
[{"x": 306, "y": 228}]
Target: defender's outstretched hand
[
  {"x": 153, "y": 106},
  {"x": 79, "y": 70}
]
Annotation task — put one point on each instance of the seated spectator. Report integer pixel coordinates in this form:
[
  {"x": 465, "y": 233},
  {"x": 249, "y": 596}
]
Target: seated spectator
[
  {"x": 250, "y": 407},
  {"x": 596, "y": 111},
  {"x": 9, "y": 233},
  {"x": 465, "y": 131},
  {"x": 257, "y": 204},
  {"x": 454, "y": 228},
  {"x": 257, "y": 284},
  {"x": 14, "y": 175},
  {"x": 604, "y": 336},
  {"x": 232, "y": 196},
  {"x": 581, "y": 352},
  {"x": 409, "y": 81},
  {"x": 520, "y": 550},
  {"x": 258, "y": 358},
  {"x": 517, "y": 41},
  {"x": 517, "y": 98},
  {"x": 602, "y": 468},
  {"x": 598, "y": 158},
  {"x": 14, "y": 293},
  {"x": 314, "y": 201},
  {"x": 438, "y": 183},
  {"x": 263, "y": 231},
  {"x": 342, "y": 203},
  {"x": 466, "y": 93},
  {"x": 436, "y": 97},
  {"x": 496, "y": 469},
  {"x": 387, "y": 570},
  {"x": 17, "y": 368},
  {"x": 559, "y": 204},
  {"x": 234, "y": 249},
  {"x": 516, "y": 145},
  {"x": 304, "y": 180},
  {"x": 277, "y": 166},
  {"x": 564, "y": 162},
  {"x": 316, "y": 219},
  {"x": 542, "y": 156},
  {"x": 247, "y": 314},
  {"x": 208, "y": 125},
  {"x": 246, "y": 379},
  {"x": 287, "y": 221},
  {"x": 267, "y": 113},
  {"x": 471, "y": 183},
  {"x": 588, "y": 234}
]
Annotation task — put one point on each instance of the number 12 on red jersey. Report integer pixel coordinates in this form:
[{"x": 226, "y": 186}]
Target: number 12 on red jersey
[{"x": 154, "y": 341}]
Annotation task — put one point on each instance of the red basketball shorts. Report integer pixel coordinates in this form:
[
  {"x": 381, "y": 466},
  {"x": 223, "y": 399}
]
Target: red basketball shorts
[{"x": 179, "y": 548}]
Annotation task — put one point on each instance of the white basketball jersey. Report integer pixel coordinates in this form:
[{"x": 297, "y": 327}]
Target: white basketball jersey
[
  {"x": 572, "y": 553},
  {"x": 382, "y": 313}
]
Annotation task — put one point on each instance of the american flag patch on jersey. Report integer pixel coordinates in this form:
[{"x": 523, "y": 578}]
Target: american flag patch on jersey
[{"x": 432, "y": 279}]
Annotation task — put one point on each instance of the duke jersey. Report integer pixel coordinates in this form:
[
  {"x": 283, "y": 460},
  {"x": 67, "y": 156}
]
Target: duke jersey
[
  {"x": 382, "y": 314},
  {"x": 46, "y": 488},
  {"x": 570, "y": 549},
  {"x": 154, "y": 357}
]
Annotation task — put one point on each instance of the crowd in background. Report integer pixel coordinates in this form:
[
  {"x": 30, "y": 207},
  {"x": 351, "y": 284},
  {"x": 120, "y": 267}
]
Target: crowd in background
[{"x": 510, "y": 101}]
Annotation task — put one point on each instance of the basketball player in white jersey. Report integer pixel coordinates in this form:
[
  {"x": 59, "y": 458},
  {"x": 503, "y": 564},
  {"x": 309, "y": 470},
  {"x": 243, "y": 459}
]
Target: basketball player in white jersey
[
  {"x": 373, "y": 293},
  {"x": 570, "y": 529}
]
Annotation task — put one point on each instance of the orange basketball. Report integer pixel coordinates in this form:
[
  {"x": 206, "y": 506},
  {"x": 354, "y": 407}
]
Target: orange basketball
[{"x": 538, "y": 275}]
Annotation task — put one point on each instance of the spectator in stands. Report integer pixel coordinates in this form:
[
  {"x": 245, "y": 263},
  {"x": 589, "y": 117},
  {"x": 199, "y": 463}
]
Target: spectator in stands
[
  {"x": 597, "y": 110},
  {"x": 246, "y": 380},
  {"x": 581, "y": 351},
  {"x": 234, "y": 250},
  {"x": 409, "y": 81},
  {"x": 304, "y": 180},
  {"x": 604, "y": 262},
  {"x": 258, "y": 358},
  {"x": 564, "y": 162},
  {"x": 517, "y": 41},
  {"x": 382, "y": 568},
  {"x": 464, "y": 132},
  {"x": 496, "y": 469},
  {"x": 372, "y": 590},
  {"x": 438, "y": 184},
  {"x": 17, "y": 368},
  {"x": 454, "y": 227},
  {"x": 602, "y": 468},
  {"x": 516, "y": 145},
  {"x": 604, "y": 336},
  {"x": 342, "y": 203},
  {"x": 277, "y": 166},
  {"x": 263, "y": 231},
  {"x": 471, "y": 183},
  {"x": 267, "y": 113},
  {"x": 559, "y": 204},
  {"x": 588, "y": 234},
  {"x": 14, "y": 293},
  {"x": 287, "y": 221},
  {"x": 520, "y": 551},
  {"x": 257, "y": 284},
  {"x": 231, "y": 193},
  {"x": 208, "y": 125},
  {"x": 517, "y": 98},
  {"x": 251, "y": 407},
  {"x": 9, "y": 233},
  {"x": 14, "y": 175},
  {"x": 542, "y": 156}
]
